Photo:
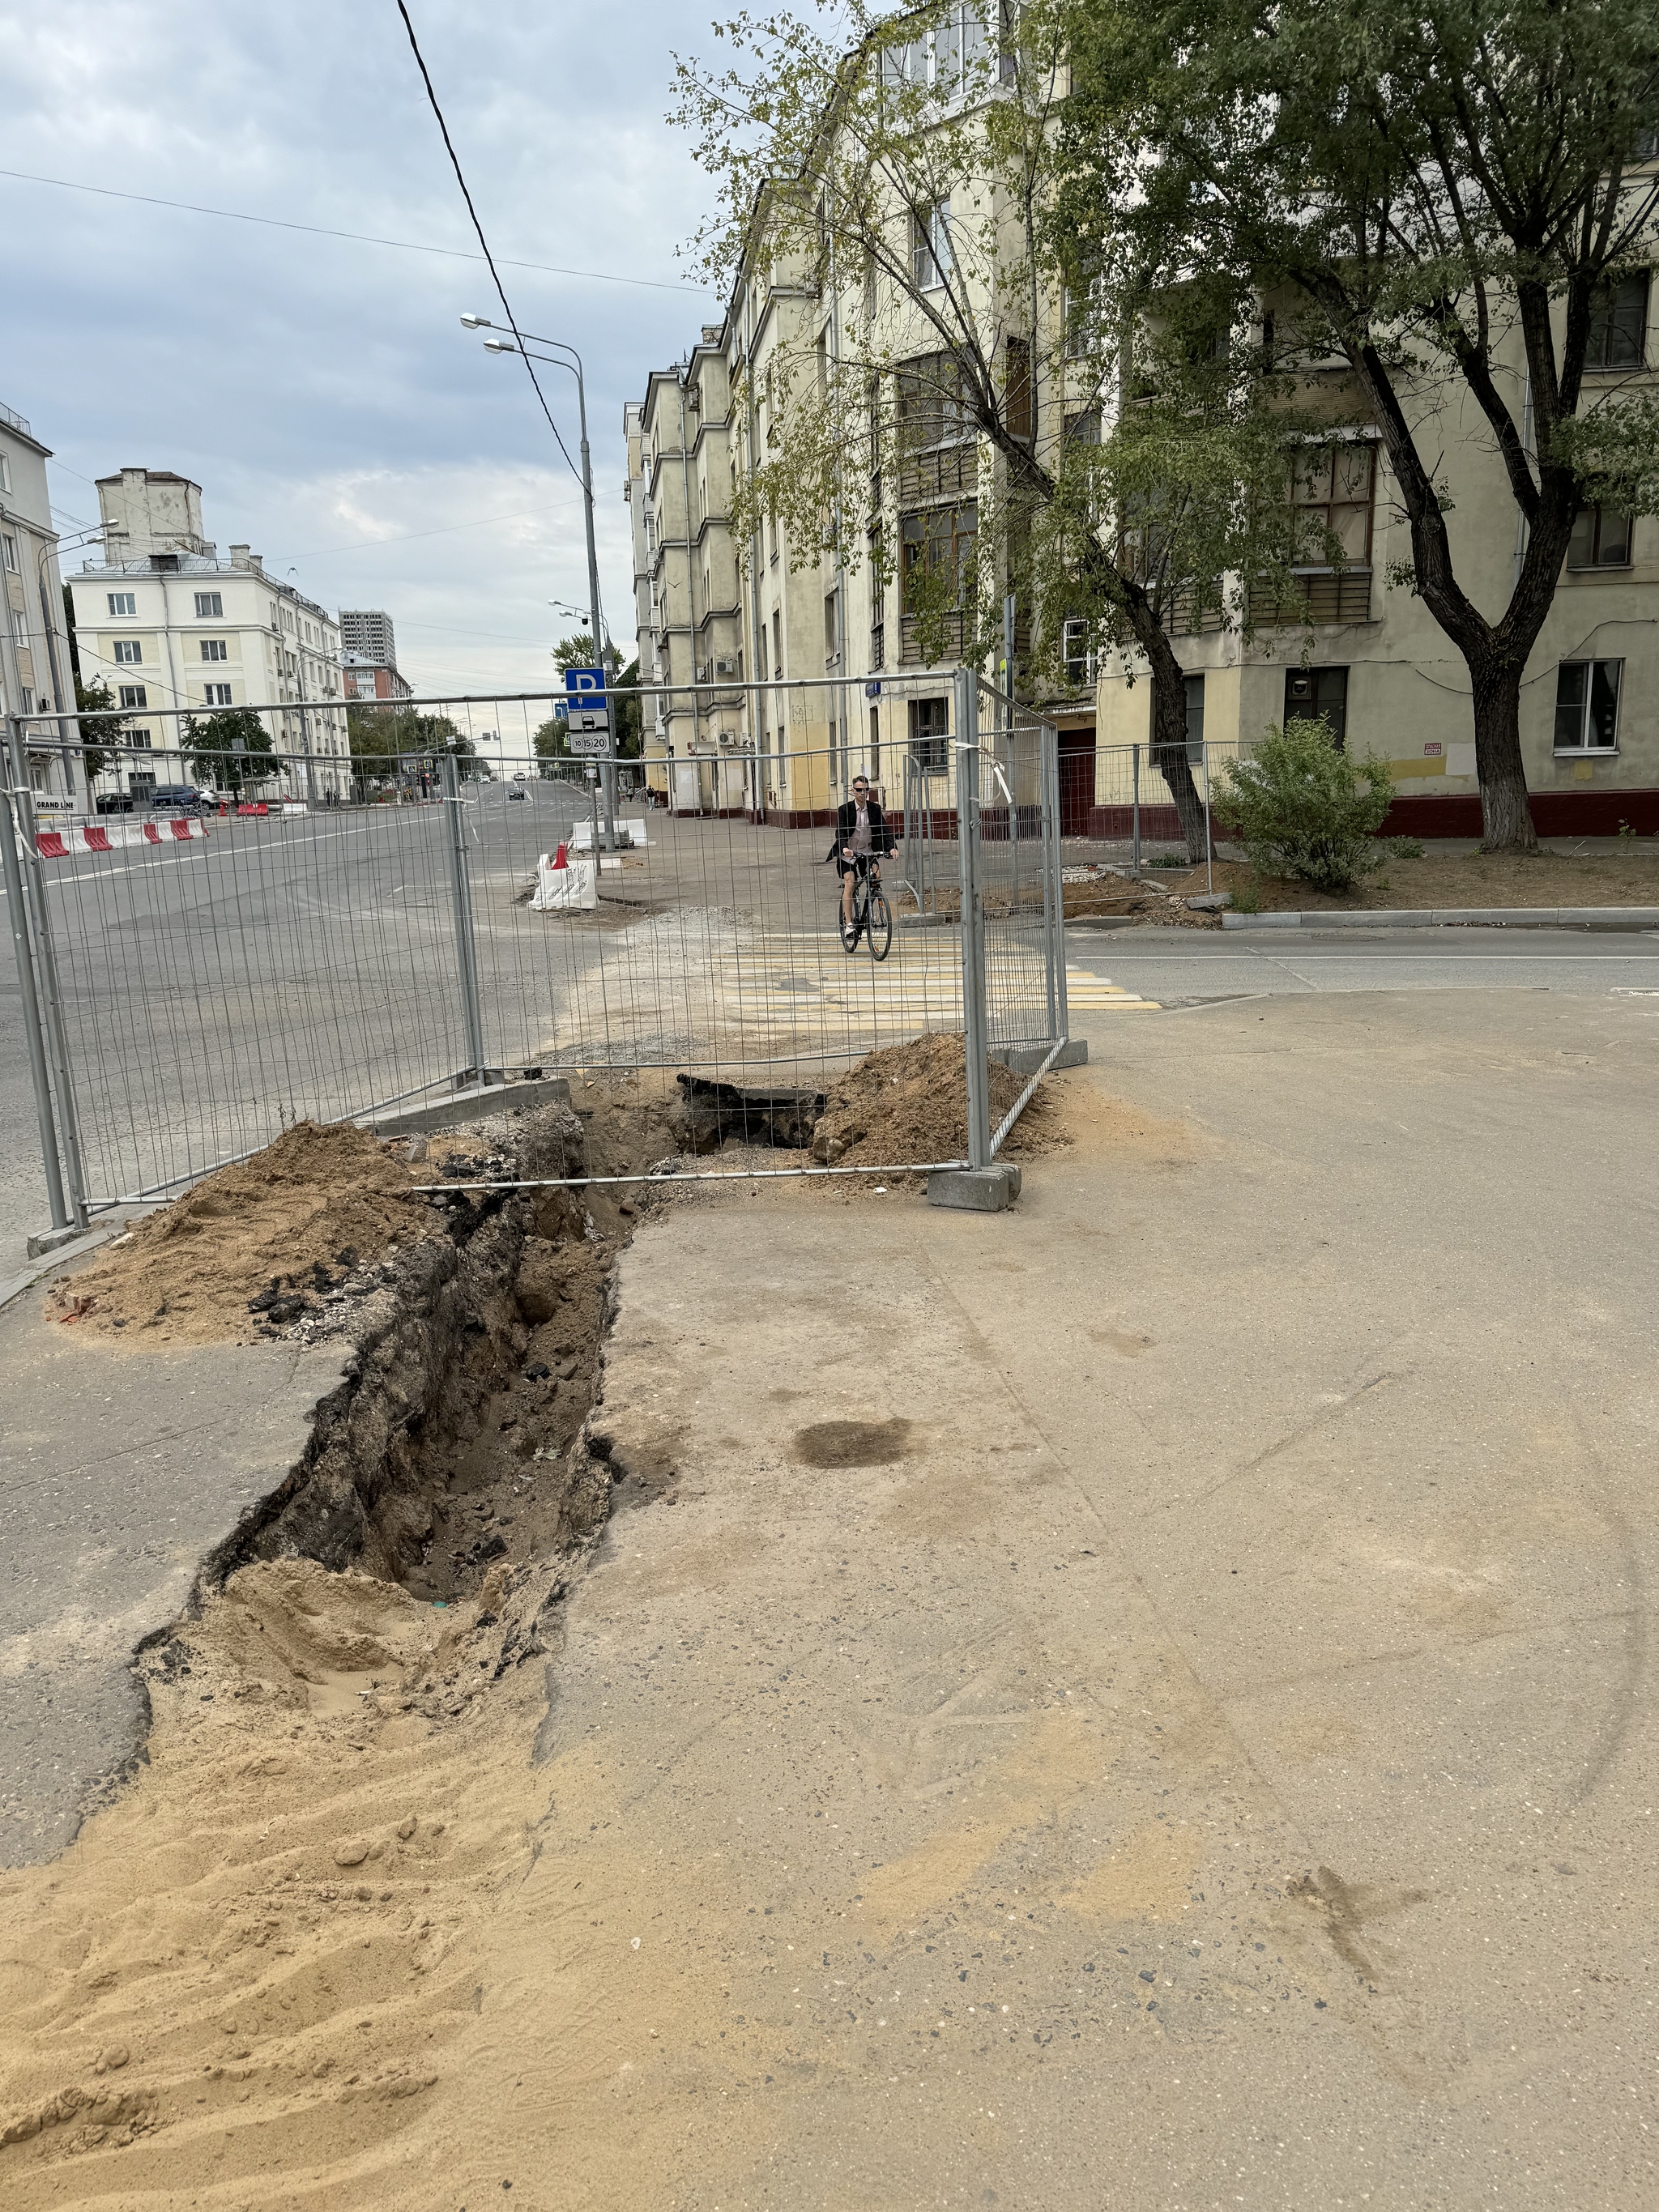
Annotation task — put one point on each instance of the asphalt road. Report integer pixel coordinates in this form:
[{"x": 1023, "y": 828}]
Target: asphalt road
[{"x": 1183, "y": 968}]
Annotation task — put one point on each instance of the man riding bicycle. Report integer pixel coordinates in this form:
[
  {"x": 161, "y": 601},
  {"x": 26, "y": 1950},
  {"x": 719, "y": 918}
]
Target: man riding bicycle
[{"x": 861, "y": 837}]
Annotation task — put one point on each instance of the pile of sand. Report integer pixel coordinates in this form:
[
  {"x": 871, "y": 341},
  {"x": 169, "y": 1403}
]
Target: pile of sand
[
  {"x": 909, "y": 1102},
  {"x": 331, "y": 1199}
]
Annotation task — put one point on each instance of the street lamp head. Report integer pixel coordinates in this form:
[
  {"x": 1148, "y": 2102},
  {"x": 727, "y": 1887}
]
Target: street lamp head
[
  {"x": 500, "y": 345},
  {"x": 477, "y": 323}
]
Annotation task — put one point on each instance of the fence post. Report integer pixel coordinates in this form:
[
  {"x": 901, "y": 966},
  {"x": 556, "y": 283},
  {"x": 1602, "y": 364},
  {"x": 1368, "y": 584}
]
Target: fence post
[
  {"x": 973, "y": 919},
  {"x": 1209, "y": 834},
  {"x": 1134, "y": 857},
  {"x": 34, "y": 1040},
  {"x": 1054, "y": 888},
  {"x": 50, "y": 999},
  {"x": 466, "y": 952}
]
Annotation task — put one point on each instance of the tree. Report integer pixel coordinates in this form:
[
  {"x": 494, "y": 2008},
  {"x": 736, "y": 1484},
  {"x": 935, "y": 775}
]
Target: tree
[
  {"x": 553, "y": 740},
  {"x": 395, "y": 741},
  {"x": 915, "y": 176},
  {"x": 575, "y": 652},
  {"x": 111, "y": 725},
  {"x": 230, "y": 749},
  {"x": 1447, "y": 198},
  {"x": 92, "y": 699}
]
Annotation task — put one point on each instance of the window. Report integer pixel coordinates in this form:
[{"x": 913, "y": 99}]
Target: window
[
  {"x": 777, "y": 643},
  {"x": 1587, "y": 706},
  {"x": 1618, "y": 323},
  {"x": 930, "y": 734},
  {"x": 9, "y": 550},
  {"x": 1600, "y": 539},
  {"x": 142, "y": 779},
  {"x": 133, "y": 695},
  {"x": 1084, "y": 429},
  {"x": 930, "y": 409},
  {"x": 1332, "y": 493},
  {"x": 930, "y": 245},
  {"x": 831, "y": 627},
  {"x": 1017, "y": 397},
  {"x": 129, "y": 651},
  {"x": 20, "y": 629},
  {"x": 1078, "y": 652},
  {"x": 940, "y": 541},
  {"x": 123, "y": 602},
  {"x": 211, "y": 606},
  {"x": 138, "y": 742},
  {"x": 215, "y": 648},
  {"x": 1310, "y": 693},
  {"x": 218, "y": 695},
  {"x": 5, "y": 473}
]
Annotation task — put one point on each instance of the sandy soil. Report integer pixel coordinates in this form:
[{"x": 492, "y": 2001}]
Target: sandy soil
[
  {"x": 307, "y": 1214},
  {"x": 1441, "y": 879},
  {"x": 909, "y": 1102}
]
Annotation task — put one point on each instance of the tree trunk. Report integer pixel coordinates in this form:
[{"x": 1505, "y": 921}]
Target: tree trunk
[
  {"x": 1506, "y": 817},
  {"x": 1168, "y": 755}
]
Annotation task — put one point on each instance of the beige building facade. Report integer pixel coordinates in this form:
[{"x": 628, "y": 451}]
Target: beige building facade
[
  {"x": 36, "y": 675},
  {"x": 1366, "y": 652},
  {"x": 1353, "y": 644},
  {"x": 169, "y": 624}
]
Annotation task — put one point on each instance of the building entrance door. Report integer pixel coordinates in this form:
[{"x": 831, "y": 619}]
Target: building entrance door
[{"x": 1077, "y": 781}]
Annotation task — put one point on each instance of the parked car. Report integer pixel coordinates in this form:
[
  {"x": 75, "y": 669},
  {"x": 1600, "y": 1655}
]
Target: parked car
[
  {"x": 175, "y": 798},
  {"x": 520, "y": 777},
  {"x": 517, "y": 793},
  {"x": 116, "y": 802}
]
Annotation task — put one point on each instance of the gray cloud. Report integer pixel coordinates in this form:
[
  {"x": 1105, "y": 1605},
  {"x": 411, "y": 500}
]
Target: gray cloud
[{"x": 322, "y": 392}]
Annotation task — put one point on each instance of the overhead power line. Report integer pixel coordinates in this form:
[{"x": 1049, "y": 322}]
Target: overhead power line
[
  {"x": 356, "y": 237},
  {"x": 495, "y": 274}
]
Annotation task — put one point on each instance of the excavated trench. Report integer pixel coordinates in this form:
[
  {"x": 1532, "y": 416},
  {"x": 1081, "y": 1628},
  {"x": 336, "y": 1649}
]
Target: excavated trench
[{"x": 463, "y": 1434}]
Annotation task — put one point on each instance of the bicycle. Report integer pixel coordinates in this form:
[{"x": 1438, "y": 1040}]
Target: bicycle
[{"x": 872, "y": 918}]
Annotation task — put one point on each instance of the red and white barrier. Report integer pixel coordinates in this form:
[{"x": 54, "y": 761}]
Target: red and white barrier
[{"x": 98, "y": 837}]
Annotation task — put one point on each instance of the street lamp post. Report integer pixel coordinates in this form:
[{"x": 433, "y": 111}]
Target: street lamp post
[{"x": 500, "y": 345}]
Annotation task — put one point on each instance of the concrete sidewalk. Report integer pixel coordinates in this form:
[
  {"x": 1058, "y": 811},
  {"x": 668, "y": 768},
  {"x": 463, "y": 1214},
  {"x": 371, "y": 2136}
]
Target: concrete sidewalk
[
  {"x": 119, "y": 1471},
  {"x": 1142, "y": 1697}
]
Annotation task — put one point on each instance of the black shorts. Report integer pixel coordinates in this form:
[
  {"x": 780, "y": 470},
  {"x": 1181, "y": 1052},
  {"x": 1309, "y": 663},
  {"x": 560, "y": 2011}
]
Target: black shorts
[{"x": 846, "y": 867}]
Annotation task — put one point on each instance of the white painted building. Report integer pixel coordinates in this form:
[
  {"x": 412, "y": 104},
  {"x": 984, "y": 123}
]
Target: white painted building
[
  {"x": 167, "y": 624},
  {"x": 36, "y": 682}
]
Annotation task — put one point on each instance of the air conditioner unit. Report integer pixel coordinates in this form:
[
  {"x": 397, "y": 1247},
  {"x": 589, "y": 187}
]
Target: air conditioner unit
[
  {"x": 703, "y": 671},
  {"x": 726, "y": 668}
]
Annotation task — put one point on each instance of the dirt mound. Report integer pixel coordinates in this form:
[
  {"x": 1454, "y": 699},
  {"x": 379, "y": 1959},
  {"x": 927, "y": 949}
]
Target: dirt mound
[
  {"x": 308, "y": 1211},
  {"x": 909, "y": 1102}
]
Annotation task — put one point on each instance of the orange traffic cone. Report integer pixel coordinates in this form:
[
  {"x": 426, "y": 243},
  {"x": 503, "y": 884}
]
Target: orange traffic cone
[{"x": 560, "y": 860}]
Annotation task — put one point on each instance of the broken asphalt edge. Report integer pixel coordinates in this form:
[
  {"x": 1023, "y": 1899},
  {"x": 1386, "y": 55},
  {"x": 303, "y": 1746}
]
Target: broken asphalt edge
[{"x": 1626, "y": 918}]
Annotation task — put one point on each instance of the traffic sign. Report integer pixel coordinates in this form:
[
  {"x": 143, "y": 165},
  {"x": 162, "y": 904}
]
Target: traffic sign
[
  {"x": 590, "y": 744},
  {"x": 586, "y": 685}
]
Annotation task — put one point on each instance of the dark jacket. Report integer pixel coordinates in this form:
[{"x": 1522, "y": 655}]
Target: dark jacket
[{"x": 846, "y": 815}]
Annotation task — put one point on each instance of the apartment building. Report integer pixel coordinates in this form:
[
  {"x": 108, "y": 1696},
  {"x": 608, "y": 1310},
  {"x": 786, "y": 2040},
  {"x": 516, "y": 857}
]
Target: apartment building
[
  {"x": 1351, "y": 644},
  {"x": 369, "y": 655},
  {"x": 167, "y": 624},
  {"x": 36, "y": 681},
  {"x": 1364, "y": 652},
  {"x": 699, "y": 744}
]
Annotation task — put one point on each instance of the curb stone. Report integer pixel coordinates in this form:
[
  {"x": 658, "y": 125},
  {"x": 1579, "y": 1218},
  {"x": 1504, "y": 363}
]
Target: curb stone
[{"x": 1624, "y": 918}]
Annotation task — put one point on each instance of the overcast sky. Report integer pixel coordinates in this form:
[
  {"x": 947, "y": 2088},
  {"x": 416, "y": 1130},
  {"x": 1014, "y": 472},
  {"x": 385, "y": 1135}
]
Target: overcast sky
[{"x": 321, "y": 392}]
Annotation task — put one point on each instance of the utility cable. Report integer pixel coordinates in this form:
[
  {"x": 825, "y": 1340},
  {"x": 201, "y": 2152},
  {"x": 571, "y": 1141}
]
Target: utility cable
[
  {"x": 357, "y": 237},
  {"x": 495, "y": 274}
]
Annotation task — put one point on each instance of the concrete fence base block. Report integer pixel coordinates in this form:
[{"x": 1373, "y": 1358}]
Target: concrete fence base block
[
  {"x": 1026, "y": 1059},
  {"x": 463, "y": 1106},
  {"x": 53, "y": 1240},
  {"x": 975, "y": 1190}
]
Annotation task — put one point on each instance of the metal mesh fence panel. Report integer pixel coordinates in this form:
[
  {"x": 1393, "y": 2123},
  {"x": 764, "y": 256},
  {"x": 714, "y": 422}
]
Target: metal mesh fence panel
[{"x": 245, "y": 942}]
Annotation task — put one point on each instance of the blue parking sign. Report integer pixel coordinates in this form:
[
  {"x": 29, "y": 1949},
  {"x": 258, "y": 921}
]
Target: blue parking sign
[{"x": 585, "y": 686}]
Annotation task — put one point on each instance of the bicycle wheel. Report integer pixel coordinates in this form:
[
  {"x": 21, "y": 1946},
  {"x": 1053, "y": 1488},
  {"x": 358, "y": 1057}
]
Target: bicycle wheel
[{"x": 879, "y": 927}]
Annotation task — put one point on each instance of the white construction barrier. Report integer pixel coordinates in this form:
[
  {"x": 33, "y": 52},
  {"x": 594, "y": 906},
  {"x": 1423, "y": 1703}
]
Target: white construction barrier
[
  {"x": 564, "y": 881},
  {"x": 630, "y": 827}
]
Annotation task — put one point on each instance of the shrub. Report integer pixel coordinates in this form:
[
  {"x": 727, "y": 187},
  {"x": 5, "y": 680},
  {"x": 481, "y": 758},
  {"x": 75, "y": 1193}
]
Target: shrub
[
  {"x": 1247, "y": 898},
  {"x": 1301, "y": 808},
  {"x": 1404, "y": 848}
]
